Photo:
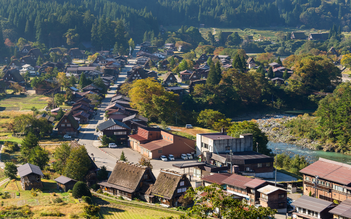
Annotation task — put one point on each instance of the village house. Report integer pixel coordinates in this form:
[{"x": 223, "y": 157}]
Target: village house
[
  {"x": 82, "y": 116},
  {"x": 216, "y": 178},
  {"x": 82, "y": 107},
  {"x": 220, "y": 150},
  {"x": 327, "y": 180},
  {"x": 273, "y": 197},
  {"x": 168, "y": 79},
  {"x": 13, "y": 76},
  {"x": 26, "y": 48},
  {"x": 27, "y": 60},
  {"x": 116, "y": 129},
  {"x": 47, "y": 87},
  {"x": 64, "y": 183},
  {"x": 15, "y": 64},
  {"x": 30, "y": 176},
  {"x": 169, "y": 186},
  {"x": 278, "y": 80},
  {"x": 75, "y": 53},
  {"x": 120, "y": 97},
  {"x": 45, "y": 116},
  {"x": 154, "y": 142},
  {"x": 309, "y": 207},
  {"x": 242, "y": 187},
  {"x": 117, "y": 114},
  {"x": 298, "y": 36},
  {"x": 163, "y": 65},
  {"x": 251, "y": 63},
  {"x": 135, "y": 74},
  {"x": 122, "y": 103},
  {"x": 128, "y": 180},
  {"x": 185, "y": 75},
  {"x": 177, "y": 90},
  {"x": 135, "y": 121},
  {"x": 56, "y": 50},
  {"x": 318, "y": 36},
  {"x": 68, "y": 125},
  {"x": 203, "y": 58},
  {"x": 342, "y": 211},
  {"x": 35, "y": 53},
  {"x": 28, "y": 68},
  {"x": 193, "y": 83}
]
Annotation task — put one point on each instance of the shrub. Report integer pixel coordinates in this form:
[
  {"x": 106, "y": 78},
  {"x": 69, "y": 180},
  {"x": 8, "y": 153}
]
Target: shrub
[
  {"x": 95, "y": 187},
  {"x": 74, "y": 216},
  {"x": 69, "y": 191},
  {"x": 54, "y": 214},
  {"x": 80, "y": 189},
  {"x": 5, "y": 195},
  {"x": 17, "y": 194},
  {"x": 87, "y": 199},
  {"x": 99, "y": 191},
  {"x": 57, "y": 200},
  {"x": 91, "y": 210},
  {"x": 10, "y": 170}
]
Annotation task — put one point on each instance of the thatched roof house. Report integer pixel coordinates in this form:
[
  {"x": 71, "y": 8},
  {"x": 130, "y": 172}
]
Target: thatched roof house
[
  {"x": 128, "y": 180},
  {"x": 169, "y": 186}
]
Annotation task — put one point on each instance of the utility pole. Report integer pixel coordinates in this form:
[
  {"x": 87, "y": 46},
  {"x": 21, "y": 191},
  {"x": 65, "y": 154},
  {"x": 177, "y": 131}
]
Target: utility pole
[
  {"x": 257, "y": 146},
  {"x": 275, "y": 178}
]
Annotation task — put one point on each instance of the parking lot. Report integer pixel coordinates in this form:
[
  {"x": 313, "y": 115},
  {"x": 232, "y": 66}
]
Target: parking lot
[{"x": 134, "y": 157}]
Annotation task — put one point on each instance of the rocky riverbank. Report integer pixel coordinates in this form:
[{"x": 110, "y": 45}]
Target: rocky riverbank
[{"x": 277, "y": 132}]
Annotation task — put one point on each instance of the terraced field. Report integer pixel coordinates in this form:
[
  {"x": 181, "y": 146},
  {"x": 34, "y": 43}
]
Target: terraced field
[{"x": 129, "y": 212}]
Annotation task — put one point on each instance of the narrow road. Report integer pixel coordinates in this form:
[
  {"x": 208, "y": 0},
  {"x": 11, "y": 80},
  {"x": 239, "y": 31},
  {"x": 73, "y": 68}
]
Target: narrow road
[{"x": 88, "y": 137}]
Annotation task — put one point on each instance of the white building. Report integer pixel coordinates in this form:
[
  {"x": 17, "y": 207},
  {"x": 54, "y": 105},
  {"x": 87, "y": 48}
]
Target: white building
[{"x": 30, "y": 69}]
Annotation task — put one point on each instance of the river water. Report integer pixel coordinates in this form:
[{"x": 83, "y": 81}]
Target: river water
[{"x": 310, "y": 155}]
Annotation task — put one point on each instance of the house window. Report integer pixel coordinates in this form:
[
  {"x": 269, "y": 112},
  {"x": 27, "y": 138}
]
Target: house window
[
  {"x": 307, "y": 178},
  {"x": 281, "y": 195},
  {"x": 180, "y": 190},
  {"x": 68, "y": 125},
  {"x": 259, "y": 165},
  {"x": 264, "y": 196},
  {"x": 227, "y": 148},
  {"x": 268, "y": 164},
  {"x": 62, "y": 125},
  {"x": 159, "y": 151},
  {"x": 247, "y": 169},
  {"x": 119, "y": 133},
  {"x": 181, "y": 183}
]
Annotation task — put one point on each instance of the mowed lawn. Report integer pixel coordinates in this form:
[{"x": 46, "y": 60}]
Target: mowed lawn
[
  {"x": 24, "y": 102},
  {"x": 129, "y": 212}
]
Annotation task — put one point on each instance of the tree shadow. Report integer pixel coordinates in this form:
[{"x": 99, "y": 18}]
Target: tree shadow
[
  {"x": 49, "y": 187},
  {"x": 110, "y": 211}
]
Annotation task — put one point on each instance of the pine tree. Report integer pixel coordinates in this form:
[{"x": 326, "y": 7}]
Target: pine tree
[
  {"x": 213, "y": 77},
  {"x": 237, "y": 64},
  {"x": 270, "y": 72},
  {"x": 39, "y": 61},
  {"x": 95, "y": 35},
  {"x": 279, "y": 61},
  {"x": 218, "y": 72},
  {"x": 115, "y": 48},
  {"x": 82, "y": 81},
  {"x": 2, "y": 43},
  {"x": 27, "y": 30},
  {"x": 122, "y": 157},
  {"x": 209, "y": 61},
  {"x": 285, "y": 74},
  {"x": 243, "y": 63}
]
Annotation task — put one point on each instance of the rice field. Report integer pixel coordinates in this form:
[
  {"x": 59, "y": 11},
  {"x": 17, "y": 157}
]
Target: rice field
[
  {"x": 128, "y": 212},
  {"x": 23, "y": 102}
]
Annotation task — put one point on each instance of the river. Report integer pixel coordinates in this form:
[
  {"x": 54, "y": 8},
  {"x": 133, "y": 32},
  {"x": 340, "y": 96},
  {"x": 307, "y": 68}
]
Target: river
[{"x": 311, "y": 155}]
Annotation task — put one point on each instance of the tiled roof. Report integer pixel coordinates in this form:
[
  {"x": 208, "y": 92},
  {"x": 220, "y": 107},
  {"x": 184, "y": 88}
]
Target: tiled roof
[
  {"x": 216, "y": 178},
  {"x": 28, "y": 168},
  {"x": 311, "y": 203},
  {"x": 329, "y": 170},
  {"x": 237, "y": 181},
  {"x": 63, "y": 179},
  {"x": 255, "y": 183},
  {"x": 343, "y": 209}
]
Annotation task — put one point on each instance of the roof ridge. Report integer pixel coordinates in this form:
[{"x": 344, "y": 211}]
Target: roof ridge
[{"x": 335, "y": 162}]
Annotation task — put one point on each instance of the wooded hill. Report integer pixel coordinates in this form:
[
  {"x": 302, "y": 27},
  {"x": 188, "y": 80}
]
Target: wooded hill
[{"x": 61, "y": 22}]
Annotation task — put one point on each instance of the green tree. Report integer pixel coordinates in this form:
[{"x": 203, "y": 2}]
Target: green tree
[
  {"x": 28, "y": 144},
  {"x": 279, "y": 61},
  {"x": 72, "y": 81},
  {"x": 60, "y": 114},
  {"x": 215, "y": 200},
  {"x": 237, "y": 63},
  {"x": 83, "y": 80},
  {"x": 102, "y": 173},
  {"x": 80, "y": 189},
  {"x": 212, "y": 76},
  {"x": 38, "y": 156},
  {"x": 285, "y": 74},
  {"x": 270, "y": 73},
  {"x": 78, "y": 163},
  {"x": 39, "y": 61},
  {"x": 234, "y": 39},
  {"x": 131, "y": 44},
  {"x": 208, "y": 117},
  {"x": 115, "y": 48},
  {"x": 59, "y": 99},
  {"x": 122, "y": 157},
  {"x": 10, "y": 170},
  {"x": 61, "y": 156},
  {"x": 259, "y": 137}
]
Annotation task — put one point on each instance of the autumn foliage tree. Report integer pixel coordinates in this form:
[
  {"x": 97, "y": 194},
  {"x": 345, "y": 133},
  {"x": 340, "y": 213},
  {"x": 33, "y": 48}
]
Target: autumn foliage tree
[{"x": 152, "y": 100}]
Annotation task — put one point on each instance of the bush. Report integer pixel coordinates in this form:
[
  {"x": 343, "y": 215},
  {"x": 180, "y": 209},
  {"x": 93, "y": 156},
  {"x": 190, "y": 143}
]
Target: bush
[
  {"x": 57, "y": 200},
  {"x": 53, "y": 214},
  {"x": 5, "y": 195},
  {"x": 91, "y": 210},
  {"x": 80, "y": 189},
  {"x": 74, "y": 216},
  {"x": 99, "y": 191},
  {"x": 95, "y": 187},
  {"x": 69, "y": 191},
  {"x": 10, "y": 170},
  {"x": 17, "y": 194},
  {"x": 87, "y": 199}
]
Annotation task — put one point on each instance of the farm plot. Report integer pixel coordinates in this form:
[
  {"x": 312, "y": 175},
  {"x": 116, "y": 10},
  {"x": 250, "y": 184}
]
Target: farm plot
[{"x": 128, "y": 212}]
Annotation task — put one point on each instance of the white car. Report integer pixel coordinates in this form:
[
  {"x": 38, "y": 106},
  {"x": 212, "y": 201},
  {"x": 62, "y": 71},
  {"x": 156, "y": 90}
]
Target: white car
[
  {"x": 171, "y": 157},
  {"x": 190, "y": 157},
  {"x": 112, "y": 145},
  {"x": 67, "y": 136},
  {"x": 163, "y": 158},
  {"x": 184, "y": 157}
]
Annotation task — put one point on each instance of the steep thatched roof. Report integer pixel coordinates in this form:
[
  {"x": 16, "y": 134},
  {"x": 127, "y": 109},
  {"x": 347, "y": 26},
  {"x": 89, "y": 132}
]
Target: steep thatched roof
[
  {"x": 166, "y": 184},
  {"x": 127, "y": 176}
]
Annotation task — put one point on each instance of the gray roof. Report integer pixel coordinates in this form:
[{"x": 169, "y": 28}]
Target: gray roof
[
  {"x": 64, "y": 179},
  {"x": 269, "y": 189},
  {"x": 111, "y": 122},
  {"x": 343, "y": 209},
  {"x": 311, "y": 203},
  {"x": 135, "y": 116},
  {"x": 28, "y": 168}
]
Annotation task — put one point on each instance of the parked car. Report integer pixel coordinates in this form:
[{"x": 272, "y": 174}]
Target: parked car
[
  {"x": 112, "y": 145},
  {"x": 184, "y": 157},
  {"x": 171, "y": 157},
  {"x": 190, "y": 156},
  {"x": 163, "y": 158},
  {"x": 67, "y": 136},
  {"x": 188, "y": 126}
]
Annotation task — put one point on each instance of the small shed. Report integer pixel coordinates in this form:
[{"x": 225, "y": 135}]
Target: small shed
[
  {"x": 64, "y": 183},
  {"x": 30, "y": 176}
]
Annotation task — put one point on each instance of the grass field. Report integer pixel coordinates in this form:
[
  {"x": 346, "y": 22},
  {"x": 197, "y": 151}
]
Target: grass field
[
  {"x": 128, "y": 212},
  {"x": 23, "y": 103}
]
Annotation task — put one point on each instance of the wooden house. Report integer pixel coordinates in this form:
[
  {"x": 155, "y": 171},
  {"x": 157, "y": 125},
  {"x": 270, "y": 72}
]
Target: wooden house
[
  {"x": 83, "y": 116},
  {"x": 128, "y": 180},
  {"x": 75, "y": 53},
  {"x": 135, "y": 121},
  {"x": 26, "y": 48},
  {"x": 168, "y": 79},
  {"x": 203, "y": 58},
  {"x": 64, "y": 183},
  {"x": 68, "y": 125},
  {"x": 343, "y": 210},
  {"x": 30, "y": 176},
  {"x": 116, "y": 129},
  {"x": 310, "y": 207},
  {"x": 35, "y": 53},
  {"x": 194, "y": 83},
  {"x": 273, "y": 197},
  {"x": 163, "y": 65},
  {"x": 185, "y": 75},
  {"x": 135, "y": 74},
  {"x": 13, "y": 76},
  {"x": 318, "y": 36},
  {"x": 169, "y": 186},
  {"x": 251, "y": 63},
  {"x": 45, "y": 116},
  {"x": 298, "y": 36}
]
